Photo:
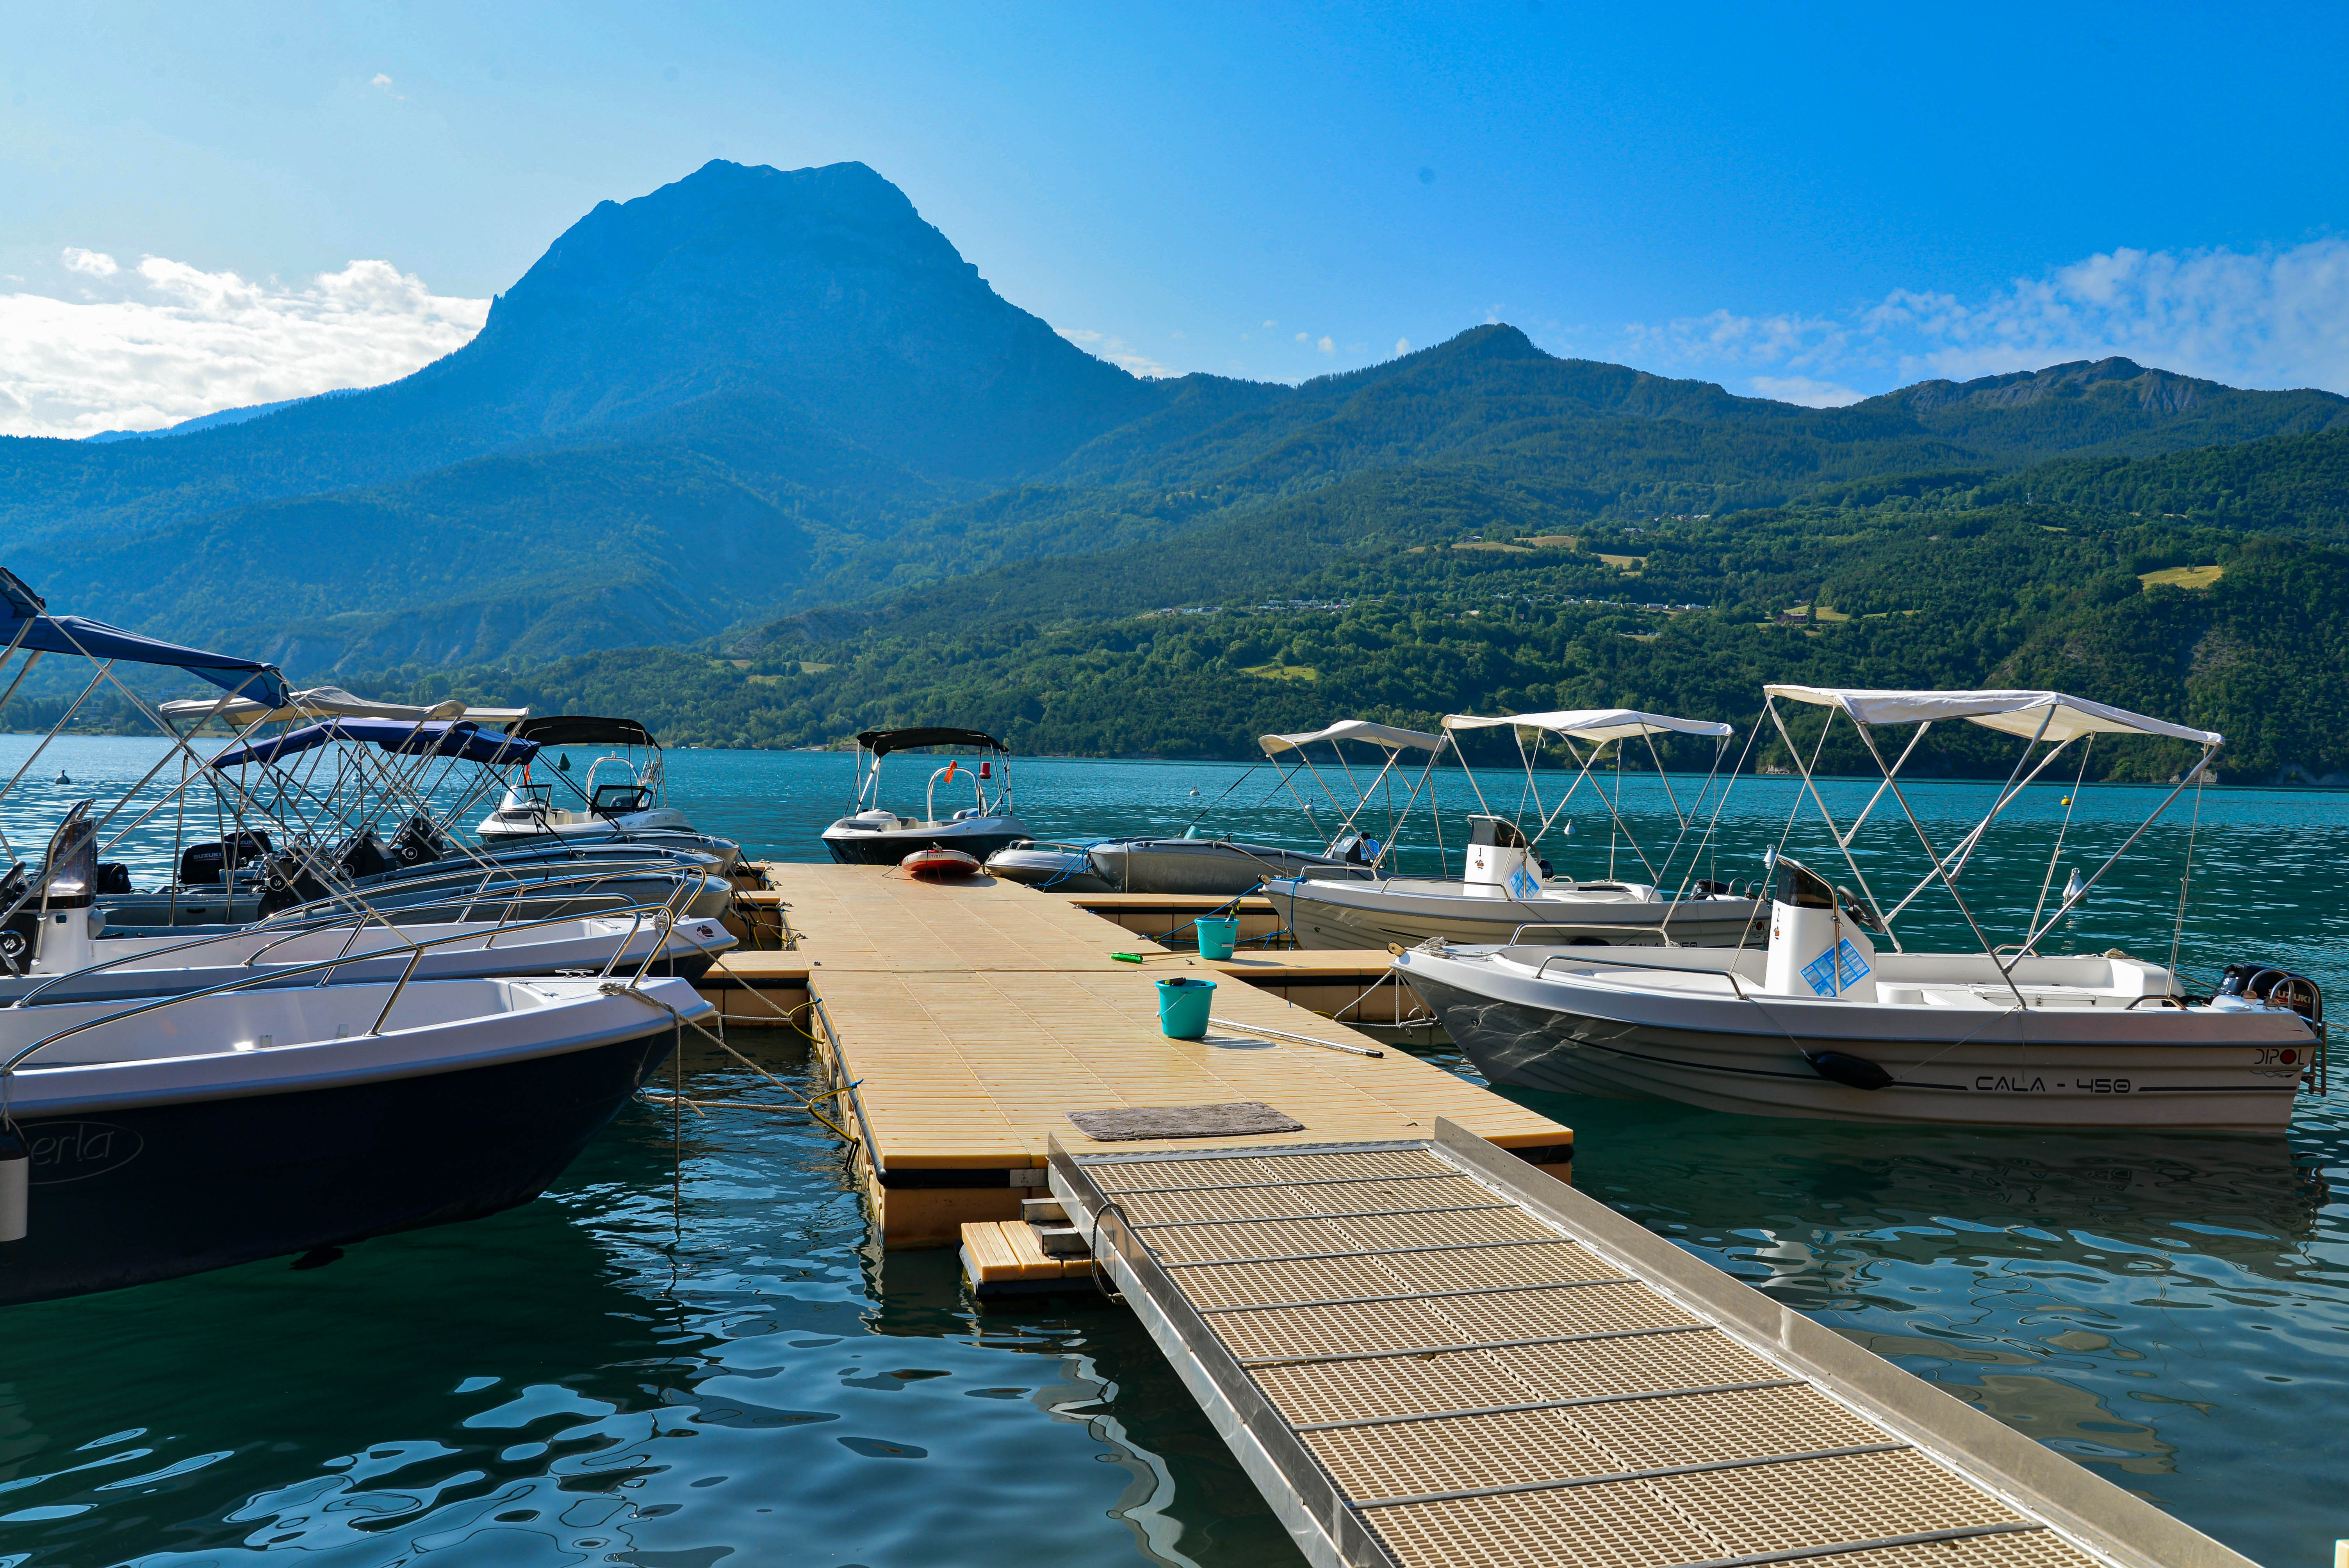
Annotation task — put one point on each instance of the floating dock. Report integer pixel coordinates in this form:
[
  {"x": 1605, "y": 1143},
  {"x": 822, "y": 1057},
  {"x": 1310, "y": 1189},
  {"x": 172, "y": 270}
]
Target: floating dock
[
  {"x": 1427, "y": 1353},
  {"x": 1423, "y": 1346},
  {"x": 961, "y": 1022}
]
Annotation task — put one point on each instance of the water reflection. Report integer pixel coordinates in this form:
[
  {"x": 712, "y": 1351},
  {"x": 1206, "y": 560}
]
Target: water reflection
[
  {"x": 597, "y": 1378},
  {"x": 2171, "y": 1310}
]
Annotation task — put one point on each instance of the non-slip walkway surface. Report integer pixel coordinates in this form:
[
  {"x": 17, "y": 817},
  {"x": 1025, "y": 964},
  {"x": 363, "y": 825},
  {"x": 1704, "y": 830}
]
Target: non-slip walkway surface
[{"x": 1430, "y": 1356}]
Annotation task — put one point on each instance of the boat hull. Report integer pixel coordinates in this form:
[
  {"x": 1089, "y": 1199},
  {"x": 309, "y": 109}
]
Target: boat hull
[
  {"x": 1345, "y": 917},
  {"x": 1214, "y": 868},
  {"x": 977, "y": 838},
  {"x": 1060, "y": 869},
  {"x": 126, "y": 1195},
  {"x": 2056, "y": 1068},
  {"x": 180, "y": 964}
]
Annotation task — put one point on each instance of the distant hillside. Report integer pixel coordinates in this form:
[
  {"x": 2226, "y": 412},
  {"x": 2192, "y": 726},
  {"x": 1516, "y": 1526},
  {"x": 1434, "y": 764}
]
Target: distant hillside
[{"x": 754, "y": 392}]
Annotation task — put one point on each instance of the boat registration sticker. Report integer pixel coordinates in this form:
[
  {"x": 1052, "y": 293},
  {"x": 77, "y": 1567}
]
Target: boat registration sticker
[
  {"x": 1523, "y": 883},
  {"x": 1821, "y": 971}
]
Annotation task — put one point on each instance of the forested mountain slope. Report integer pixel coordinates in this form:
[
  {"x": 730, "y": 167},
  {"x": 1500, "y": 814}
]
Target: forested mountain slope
[{"x": 756, "y": 391}]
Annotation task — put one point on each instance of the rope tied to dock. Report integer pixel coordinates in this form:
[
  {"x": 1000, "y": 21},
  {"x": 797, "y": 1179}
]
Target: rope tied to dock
[{"x": 806, "y": 1102}]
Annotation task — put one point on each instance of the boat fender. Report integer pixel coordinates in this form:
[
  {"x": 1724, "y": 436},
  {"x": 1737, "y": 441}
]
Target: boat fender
[
  {"x": 15, "y": 1183},
  {"x": 1852, "y": 1072}
]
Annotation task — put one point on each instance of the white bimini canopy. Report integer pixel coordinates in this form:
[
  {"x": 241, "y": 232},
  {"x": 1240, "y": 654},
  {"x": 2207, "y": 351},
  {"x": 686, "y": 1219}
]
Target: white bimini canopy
[
  {"x": 1384, "y": 735},
  {"x": 334, "y": 702},
  {"x": 2009, "y": 712},
  {"x": 1597, "y": 725}
]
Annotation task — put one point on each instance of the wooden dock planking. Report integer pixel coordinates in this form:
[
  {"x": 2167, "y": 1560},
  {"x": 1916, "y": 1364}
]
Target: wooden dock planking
[{"x": 974, "y": 1016}]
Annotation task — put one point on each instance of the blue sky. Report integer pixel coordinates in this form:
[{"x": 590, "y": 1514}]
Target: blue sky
[{"x": 1815, "y": 202}]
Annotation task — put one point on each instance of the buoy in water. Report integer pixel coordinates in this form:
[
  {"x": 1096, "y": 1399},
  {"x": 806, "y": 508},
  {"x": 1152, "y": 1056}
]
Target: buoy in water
[
  {"x": 2076, "y": 887},
  {"x": 562, "y": 763},
  {"x": 61, "y": 777},
  {"x": 937, "y": 862},
  {"x": 15, "y": 1183}
]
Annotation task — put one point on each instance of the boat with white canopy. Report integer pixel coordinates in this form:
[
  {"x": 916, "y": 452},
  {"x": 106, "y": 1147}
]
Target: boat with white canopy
[
  {"x": 1505, "y": 884},
  {"x": 354, "y": 811},
  {"x": 1833, "y": 1017},
  {"x": 1220, "y": 866}
]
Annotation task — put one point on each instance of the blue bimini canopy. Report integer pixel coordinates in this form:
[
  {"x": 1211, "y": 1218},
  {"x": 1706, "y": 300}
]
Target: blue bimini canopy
[
  {"x": 24, "y": 624},
  {"x": 438, "y": 738}
]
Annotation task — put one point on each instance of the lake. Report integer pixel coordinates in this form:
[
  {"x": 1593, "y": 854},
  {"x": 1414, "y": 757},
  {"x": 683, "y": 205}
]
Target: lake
[{"x": 690, "y": 1353}]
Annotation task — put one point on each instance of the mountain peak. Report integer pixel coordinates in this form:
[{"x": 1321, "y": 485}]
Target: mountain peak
[{"x": 824, "y": 285}]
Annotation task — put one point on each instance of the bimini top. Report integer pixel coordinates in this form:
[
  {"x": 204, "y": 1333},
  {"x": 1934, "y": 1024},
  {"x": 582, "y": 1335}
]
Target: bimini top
[
  {"x": 580, "y": 729},
  {"x": 24, "y": 624},
  {"x": 331, "y": 702},
  {"x": 1384, "y": 735},
  {"x": 881, "y": 742},
  {"x": 399, "y": 737},
  {"x": 1595, "y": 724},
  {"x": 2011, "y": 712}
]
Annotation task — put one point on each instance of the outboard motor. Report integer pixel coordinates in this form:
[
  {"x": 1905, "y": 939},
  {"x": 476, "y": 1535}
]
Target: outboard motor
[
  {"x": 1499, "y": 858},
  {"x": 1819, "y": 942},
  {"x": 292, "y": 876},
  {"x": 209, "y": 864},
  {"x": 418, "y": 843},
  {"x": 363, "y": 855},
  {"x": 2277, "y": 988}
]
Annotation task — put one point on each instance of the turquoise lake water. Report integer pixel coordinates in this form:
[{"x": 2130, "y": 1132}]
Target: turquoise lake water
[{"x": 690, "y": 1354}]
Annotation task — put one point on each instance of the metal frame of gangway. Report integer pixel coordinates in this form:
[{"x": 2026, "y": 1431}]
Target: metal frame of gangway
[{"x": 1429, "y": 1353}]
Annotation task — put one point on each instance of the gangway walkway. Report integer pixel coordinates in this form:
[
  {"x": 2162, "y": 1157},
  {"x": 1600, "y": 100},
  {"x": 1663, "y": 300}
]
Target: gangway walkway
[{"x": 1429, "y": 1353}]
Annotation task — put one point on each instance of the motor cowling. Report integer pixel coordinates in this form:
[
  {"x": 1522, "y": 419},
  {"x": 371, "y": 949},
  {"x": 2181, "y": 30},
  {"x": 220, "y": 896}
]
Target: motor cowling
[
  {"x": 287, "y": 881},
  {"x": 1819, "y": 945},
  {"x": 2276, "y": 988},
  {"x": 418, "y": 842}
]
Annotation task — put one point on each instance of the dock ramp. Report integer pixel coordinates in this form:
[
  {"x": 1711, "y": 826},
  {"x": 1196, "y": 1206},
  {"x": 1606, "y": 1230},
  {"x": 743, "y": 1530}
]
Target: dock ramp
[{"x": 1429, "y": 1354}]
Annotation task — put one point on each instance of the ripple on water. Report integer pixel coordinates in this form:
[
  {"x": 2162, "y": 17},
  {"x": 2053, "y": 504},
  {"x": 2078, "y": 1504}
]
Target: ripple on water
[{"x": 592, "y": 1378}]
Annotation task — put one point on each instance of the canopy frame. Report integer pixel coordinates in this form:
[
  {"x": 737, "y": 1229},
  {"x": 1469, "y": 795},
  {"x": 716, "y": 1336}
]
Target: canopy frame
[
  {"x": 1600, "y": 726},
  {"x": 2003, "y": 711}
]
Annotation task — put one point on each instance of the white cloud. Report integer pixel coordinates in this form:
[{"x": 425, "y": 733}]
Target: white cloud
[
  {"x": 169, "y": 342},
  {"x": 1802, "y": 389},
  {"x": 2269, "y": 318},
  {"x": 1270, "y": 325},
  {"x": 1116, "y": 350},
  {"x": 1325, "y": 345},
  {"x": 1403, "y": 346},
  {"x": 1303, "y": 338}
]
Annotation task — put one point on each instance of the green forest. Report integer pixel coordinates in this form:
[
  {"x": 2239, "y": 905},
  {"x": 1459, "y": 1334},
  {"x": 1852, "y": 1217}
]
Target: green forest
[{"x": 1295, "y": 626}]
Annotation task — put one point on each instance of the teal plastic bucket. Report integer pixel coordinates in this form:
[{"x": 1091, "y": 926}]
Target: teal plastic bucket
[
  {"x": 1183, "y": 1005},
  {"x": 1217, "y": 937}
]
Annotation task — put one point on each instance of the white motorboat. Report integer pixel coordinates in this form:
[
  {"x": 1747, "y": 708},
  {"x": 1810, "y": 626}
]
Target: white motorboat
[
  {"x": 1505, "y": 885},
  {"x": 624, "y": 794},
  {"x": 57, "y": 943},
  {"x": 873, "y": 835},
  {"x": 168, "y": 1137},
  {"x": 1220, "y": 866},
  {"x": 1820, "y": 1023}
]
